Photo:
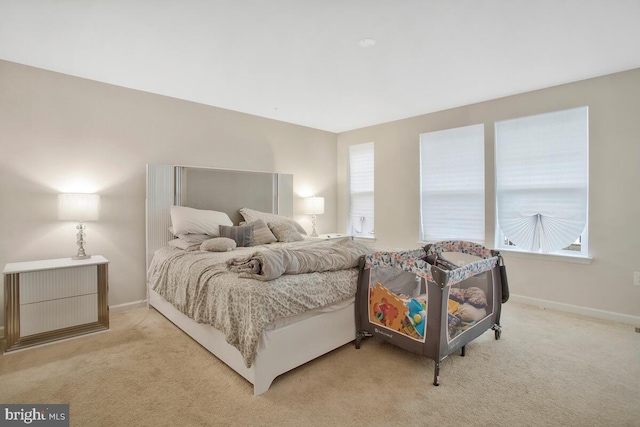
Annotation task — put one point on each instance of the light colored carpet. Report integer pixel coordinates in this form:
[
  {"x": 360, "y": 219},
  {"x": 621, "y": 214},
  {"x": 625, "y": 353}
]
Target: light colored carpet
[{"x": 548, "y": 369}]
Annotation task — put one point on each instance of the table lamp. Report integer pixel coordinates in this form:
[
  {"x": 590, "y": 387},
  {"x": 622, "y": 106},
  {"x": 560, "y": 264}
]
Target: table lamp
[
  {"x": 314, "y": 206},
  {"x": 79, "y": 207}
]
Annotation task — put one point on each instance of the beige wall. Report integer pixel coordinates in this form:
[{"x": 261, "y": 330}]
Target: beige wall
[
  {"x": 606, "y": 284},
  {"x": 60, "y": 133}
]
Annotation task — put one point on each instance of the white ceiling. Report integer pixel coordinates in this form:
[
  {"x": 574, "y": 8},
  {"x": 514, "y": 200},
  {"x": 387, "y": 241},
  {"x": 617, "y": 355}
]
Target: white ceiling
[{"x": 299, "y": 60}]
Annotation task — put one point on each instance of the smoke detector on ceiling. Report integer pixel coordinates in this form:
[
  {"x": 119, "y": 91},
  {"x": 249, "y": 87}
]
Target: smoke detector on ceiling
[{"x": 367, "y": 42}]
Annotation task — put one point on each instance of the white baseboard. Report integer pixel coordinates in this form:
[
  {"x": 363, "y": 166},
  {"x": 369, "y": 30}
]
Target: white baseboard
[
  {"x": 576, "y": 309},
  {"x": 568, "y": 308},
  {"x": 127, "y": 306}
]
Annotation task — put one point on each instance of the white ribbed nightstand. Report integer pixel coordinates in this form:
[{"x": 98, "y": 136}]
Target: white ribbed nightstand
[{"x": 54, "y": 299}]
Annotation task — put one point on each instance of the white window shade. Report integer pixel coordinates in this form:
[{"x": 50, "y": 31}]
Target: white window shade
[
  {"x": 542, "y": 179},
  {"x": 361, "y": 189},
  {"x": 452, "y": 184}
]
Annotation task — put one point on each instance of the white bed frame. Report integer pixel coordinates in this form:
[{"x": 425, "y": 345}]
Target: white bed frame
[{"x": 285, "y": 347}]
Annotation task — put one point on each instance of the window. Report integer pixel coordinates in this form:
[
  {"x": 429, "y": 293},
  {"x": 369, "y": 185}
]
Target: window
[
  {"x": 361, "y": 190},
  {"x": 542, "y": 182},
  {"x": 452, "y": 184}
]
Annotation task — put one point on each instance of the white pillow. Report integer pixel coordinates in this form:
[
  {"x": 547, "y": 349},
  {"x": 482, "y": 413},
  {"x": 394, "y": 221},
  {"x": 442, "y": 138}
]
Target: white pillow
[
  {"x": 197, "y": 221},
  {"x": 185, "y": 246},
  {"x": 193, "y": 239}
]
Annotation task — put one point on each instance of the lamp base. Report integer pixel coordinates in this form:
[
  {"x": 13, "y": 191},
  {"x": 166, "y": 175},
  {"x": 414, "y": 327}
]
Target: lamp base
[{"x": 80, "y": 242}]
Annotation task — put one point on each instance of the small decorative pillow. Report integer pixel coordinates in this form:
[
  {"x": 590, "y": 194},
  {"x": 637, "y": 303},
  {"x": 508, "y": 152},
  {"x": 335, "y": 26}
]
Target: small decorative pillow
[
  {"x": 261, "y": 233},
  {"x": 285, "y": 232},
  {"x": 218, "y": 244},
  {"x": 242, "y": 234},
  {"x": 476, "y": 297}
]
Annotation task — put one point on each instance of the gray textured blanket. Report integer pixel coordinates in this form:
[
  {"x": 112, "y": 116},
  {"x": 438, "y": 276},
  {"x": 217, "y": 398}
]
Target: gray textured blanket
[
  {"x": 201, "y": 285},
  {"x": 316, "y": 256}
]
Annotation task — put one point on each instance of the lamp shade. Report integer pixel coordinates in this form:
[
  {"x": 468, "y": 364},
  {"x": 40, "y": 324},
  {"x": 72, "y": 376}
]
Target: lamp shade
[
  {"x": 314, "y": 205},
  {"x": 78, "y": 207}
]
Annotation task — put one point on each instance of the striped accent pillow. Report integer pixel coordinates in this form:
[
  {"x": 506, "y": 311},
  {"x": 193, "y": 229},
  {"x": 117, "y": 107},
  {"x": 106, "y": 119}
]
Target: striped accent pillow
[
  {"x": 242, "y": 234},
  {"x": 261, "y": 233}
]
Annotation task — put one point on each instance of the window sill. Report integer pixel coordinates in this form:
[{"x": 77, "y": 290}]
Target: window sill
[{"x": 574, "y": 259}]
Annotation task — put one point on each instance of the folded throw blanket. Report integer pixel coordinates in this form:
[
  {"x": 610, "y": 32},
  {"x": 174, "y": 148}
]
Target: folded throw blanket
[{"x": 316, "y": 256}]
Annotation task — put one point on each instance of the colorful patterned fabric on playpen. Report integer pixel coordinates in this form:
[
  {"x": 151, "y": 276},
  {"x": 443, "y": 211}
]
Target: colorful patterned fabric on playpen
[{"x": 429, "y": 304}]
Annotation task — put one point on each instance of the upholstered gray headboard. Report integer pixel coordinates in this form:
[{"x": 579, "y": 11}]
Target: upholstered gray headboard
[{"x": 221, "y": 190}]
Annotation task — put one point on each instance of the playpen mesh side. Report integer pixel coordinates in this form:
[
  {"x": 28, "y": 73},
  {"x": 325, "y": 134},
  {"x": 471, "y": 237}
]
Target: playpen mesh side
[
  {"x": 468, "y": 303},
  {"x": 397, "y": 302}
]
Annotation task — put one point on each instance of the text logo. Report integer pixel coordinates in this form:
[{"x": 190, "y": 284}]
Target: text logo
[{"x": 54, "y": 415}]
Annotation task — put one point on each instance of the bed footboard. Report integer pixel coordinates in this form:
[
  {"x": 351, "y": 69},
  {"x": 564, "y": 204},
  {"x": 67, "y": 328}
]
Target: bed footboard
[{"x": 287, "y": 347}]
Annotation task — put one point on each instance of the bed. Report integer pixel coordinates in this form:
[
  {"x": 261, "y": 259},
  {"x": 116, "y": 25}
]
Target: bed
[{"x": 261, "y": 345}]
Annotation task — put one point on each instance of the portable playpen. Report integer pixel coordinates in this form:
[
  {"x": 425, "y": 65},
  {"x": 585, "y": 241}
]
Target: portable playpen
[{"x": 431, "y": 301}]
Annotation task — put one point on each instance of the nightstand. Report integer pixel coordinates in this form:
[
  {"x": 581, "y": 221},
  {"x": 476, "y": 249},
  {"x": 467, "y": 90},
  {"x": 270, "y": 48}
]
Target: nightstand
[
  {"x": 330, "y": 236},
  {"x": 54, "y": 299}
]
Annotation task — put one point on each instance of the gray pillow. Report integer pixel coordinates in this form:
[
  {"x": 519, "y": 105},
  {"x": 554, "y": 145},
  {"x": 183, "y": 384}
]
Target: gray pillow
[
  {"x": 285, "y": 232},
  {"x": 242, "y": 234},
  {"x": 261, "y": 233},
  {"x": 251, "y": 215}
]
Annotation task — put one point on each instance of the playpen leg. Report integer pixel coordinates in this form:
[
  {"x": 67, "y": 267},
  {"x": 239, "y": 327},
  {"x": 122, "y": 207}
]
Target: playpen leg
[
  {"x": 359, "y": 336},
  {"x": 436, "y": 374},
  {"x": 498, "y": 330},
  {"x": 462, "y": 351}
]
